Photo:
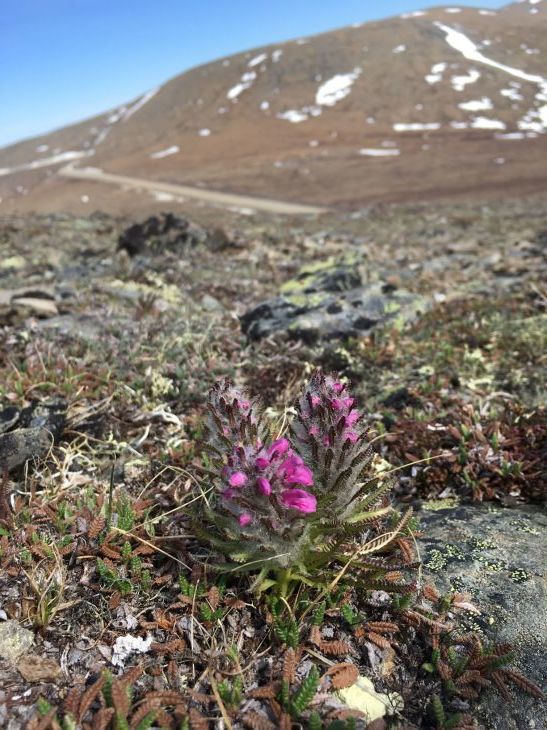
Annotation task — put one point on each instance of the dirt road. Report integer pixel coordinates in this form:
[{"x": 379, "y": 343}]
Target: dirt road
[{"x": 229, "y": 200}]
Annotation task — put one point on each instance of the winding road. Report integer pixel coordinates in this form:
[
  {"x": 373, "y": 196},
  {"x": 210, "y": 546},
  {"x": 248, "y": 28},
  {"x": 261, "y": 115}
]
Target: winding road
[{"x": 95, "y": 174}]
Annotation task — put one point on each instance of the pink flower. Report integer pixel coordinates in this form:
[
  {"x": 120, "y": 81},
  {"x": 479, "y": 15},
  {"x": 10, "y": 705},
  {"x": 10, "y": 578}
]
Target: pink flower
[
  {"x": 229, "y": 493},
  {"x": 296, "y": 472},
  {"x": 340, "y": 403},
  {"x": 262, "y": 462},
  {"x": 338, "y": 387},
  {"x": 351, "y": 418},
  {"x": 245, "y": 519},
  {"x": 351, "y": 436},
  {"x": 299, "y": 499},
  {"x": 314, "y": 431},
  {"x": 278, "y": 448},
  {"x": 244, "y": 405},
  {"x": 237, "y": 479},
  {"x": 315, "y": 400},
  {"x": 264, "y": 486}
]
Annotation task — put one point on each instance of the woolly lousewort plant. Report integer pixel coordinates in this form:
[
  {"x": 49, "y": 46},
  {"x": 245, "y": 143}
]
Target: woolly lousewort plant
[{"x": 297, "y": 507}]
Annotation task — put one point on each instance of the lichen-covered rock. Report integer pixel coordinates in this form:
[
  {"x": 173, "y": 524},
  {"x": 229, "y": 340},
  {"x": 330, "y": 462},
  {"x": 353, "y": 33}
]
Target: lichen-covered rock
[
  {"x": 14, "y": 640},
  {"x": 498, "y": 556},
  {"x": 328, "y": 300}
]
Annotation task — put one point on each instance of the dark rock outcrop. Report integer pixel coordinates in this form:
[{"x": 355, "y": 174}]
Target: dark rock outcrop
[{"x": 329, "y": 301}]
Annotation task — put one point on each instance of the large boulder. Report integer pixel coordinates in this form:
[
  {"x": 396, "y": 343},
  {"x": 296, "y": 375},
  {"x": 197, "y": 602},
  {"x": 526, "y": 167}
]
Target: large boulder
[
  {"x": 498, "y": 556},
  {"x": 329, "y": 300}
]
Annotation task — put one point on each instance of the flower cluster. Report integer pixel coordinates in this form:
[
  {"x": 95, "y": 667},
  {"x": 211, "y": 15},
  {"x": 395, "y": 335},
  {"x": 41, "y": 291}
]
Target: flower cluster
[
  {"x": 275, "y": 473},
  {"x": 294, "y": 500}
]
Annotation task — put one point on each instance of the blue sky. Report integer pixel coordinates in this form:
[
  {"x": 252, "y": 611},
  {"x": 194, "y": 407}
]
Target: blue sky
[{"x": 65, "y": 60}]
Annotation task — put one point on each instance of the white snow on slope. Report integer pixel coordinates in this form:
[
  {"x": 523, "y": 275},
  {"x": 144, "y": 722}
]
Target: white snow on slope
[
  {"x": 257, "y": 60},
  {"x": 536, "y": 119},
  {"x": 245, "y": 83},
  {"x": 336, "y": 88},
  {"x": 511, "y": 135},
  {"x": 452, "y": 10},
  {"x": 484, "y": 123},
  {"x": 300, "y": 115},
  {"x": 276, "y": 55},
  {"x": 204, "y": 132},
  {"x": 399, "y": 49},
  {"x": 139, "y": 103},
  {"x": 372, "y": 152},
  {"x": 460, "y": 82},
  {"x": 46, "y": 161},
  {"x": 469, "y": 50},
  {"x": 436, "y": 73},
  {"x": 166, "y": 152},
  {"x": 512, "y": 92},
  {"x": 477, "y": 105},
  {"x": 415, "y": 14},
  {"x": 487, "y": 12},
  {"x": 42, "y": 148},
  {"x": 416, "y": 126}
]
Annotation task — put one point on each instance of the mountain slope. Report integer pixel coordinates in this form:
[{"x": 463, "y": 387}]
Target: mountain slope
[{"x": 446, "y": 102}]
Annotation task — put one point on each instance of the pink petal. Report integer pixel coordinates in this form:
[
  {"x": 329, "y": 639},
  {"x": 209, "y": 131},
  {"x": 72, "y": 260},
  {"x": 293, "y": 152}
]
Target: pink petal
[
  {"x": 299, "y": 499},
  {"x": 351, "y": 436},
  {"x": 315, "y": 400},
  {"x": 245, "y": 519},
  {"x": 351, "y": 418},
  {"x": 262, "y": 462},
  {"x": 338, "y": 387},
  {"x": 237, "y": 479},
  {"x": 264, "y": 486},
  {"x": 314, "y": 431},
  {"x": 278, "y": 448}
]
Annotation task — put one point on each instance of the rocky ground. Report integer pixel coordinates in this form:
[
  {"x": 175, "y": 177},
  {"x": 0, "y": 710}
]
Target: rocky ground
[{"x": 112, "y": 334}]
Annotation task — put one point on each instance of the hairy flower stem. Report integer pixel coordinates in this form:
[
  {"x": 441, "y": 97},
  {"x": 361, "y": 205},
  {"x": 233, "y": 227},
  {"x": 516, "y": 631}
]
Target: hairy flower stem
[{"x": 284, "y": 578}]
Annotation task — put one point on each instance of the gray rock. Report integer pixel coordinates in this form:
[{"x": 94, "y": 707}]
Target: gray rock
[
  {"x": 14, "y": 640},
  {"x": 19, "y": 446},
  {"x": 498, "y": 556},
  {"x": 328, "y": 300}
]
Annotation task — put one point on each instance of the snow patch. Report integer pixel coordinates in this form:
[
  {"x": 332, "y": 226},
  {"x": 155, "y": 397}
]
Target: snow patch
[
  {"x": 144, "y": 99},
  {"x": 485, "y": 123},
  {"x": 204, "y": 132},
  {"x": 512, "y": 94},
  {"x": 399, "y": 49},
  {"x": 487, "y": 12},
  {"x": 276, "y": 55},
  {"x": 436, "y": 73},
  {"x": 452, "y": 10},
  {"x": 469, "y": 50},
  {"x": 460, "y": 82},
  {"x": 477, "y": 105},
  {"x": 42, "y": 148},
  {"x": 372, "y": 152},
  {"x": 416, "y": 126},
  {"x": 512, "y": 135},
  {"x": 67, "y": 156},
  {"x": 459, "y": 125},
  {"x": 245, "y": 83},
  {"x": 264, "y": 106},
  {"x": 415, "y": 14},
  {"x": 166, "y": 152},
  {"x": 336, "y": 88},
  {"x": 257, "y": 60},
  {"x": 293, "y": 115}
]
